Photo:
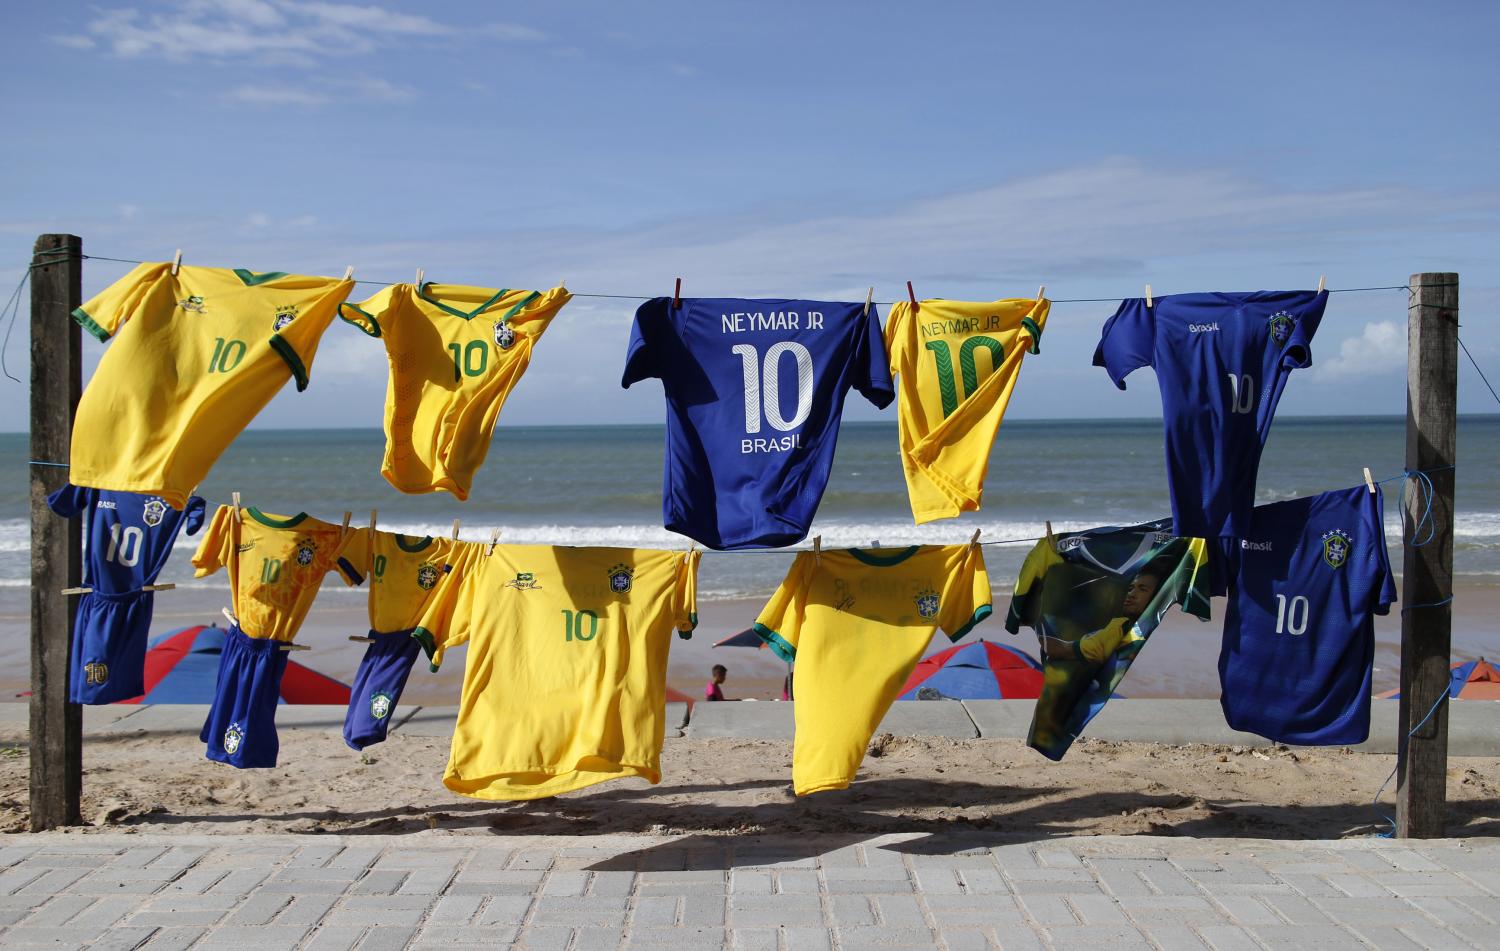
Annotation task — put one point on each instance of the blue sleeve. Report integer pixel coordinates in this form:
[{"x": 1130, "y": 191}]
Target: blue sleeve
[
  {"x": 69, "y": 501},
  {"x": 640, "y": 355},
  {"x": 1223, "y": 565},
  {"x": 1128, "y": 341},
  {"x": 872, "y": 369},
  {"x": 1382, "y": 569},
  {"x": 1297, "y": 354},
  {"x": 192, "y": 514}
]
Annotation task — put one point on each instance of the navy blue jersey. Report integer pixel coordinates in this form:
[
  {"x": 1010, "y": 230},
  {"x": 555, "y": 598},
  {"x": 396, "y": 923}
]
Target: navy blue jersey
[
  {"x": 1299, "y": 636},
  {"x": 754, "y": 393},
  {"x": 1221, "y": 362},
  {"x": 128, "y": 537}
]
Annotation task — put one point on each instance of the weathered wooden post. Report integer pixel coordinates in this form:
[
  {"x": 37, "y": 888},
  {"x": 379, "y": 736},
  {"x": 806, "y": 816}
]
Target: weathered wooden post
[
  {"x": 1427, "y": 572},
  {"x": 56, "y": 381}
]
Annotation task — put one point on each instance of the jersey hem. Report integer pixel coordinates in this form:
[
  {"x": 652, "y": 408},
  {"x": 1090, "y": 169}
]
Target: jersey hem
[
  {"x": 980, "y": 613},
  {"x": 178, "y": 500},
  {"x": 88, "y": 323},
  {"x": 822, "y": 785},
  {"x": 289, "y": 354},
  {"x": 778, "y": 644},
  {"x": 350, "y": 572},
  {"x": 577, "y": 780}
]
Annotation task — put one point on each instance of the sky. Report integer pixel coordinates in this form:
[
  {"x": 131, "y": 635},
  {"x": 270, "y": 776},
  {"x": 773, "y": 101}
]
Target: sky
[{"x": 772, "y": 149}]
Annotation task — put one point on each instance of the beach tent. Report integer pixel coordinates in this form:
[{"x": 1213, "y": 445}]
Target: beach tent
[
  {"x": 977, "y": 671},
  {"x": 182, "y": 665},
  {"x": 1469, "y": 680},
  {"x": 745, "y": 638}
]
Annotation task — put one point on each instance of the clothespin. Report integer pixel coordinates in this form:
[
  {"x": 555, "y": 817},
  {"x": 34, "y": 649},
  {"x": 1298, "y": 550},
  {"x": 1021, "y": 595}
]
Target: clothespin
[
  {"x": 372, "y": 521},
  {"x": 975, "y": 539},
  {"x": 869, "y": 298},
  {"x": 494, "y": 540},
  {"x": 293, "y": 647},
  {"x": 176, "y": 262},
  {"x": 344, "y": 529},
  {"x": 232, "y": 619},
  {"x": 420, "y": 274},
  {"x": 1148, "y": 296},
  {"x": 1320, "y": 283},
  {"x": 455, "y": 529},
  {"x": 235, "y": 496},
  {"x": 1051, "y": 539},
  {"x": 913, "y": 295},
  {"x": 72, "y": 591},
  {"x": 361, "y": 639},
  {"x": 349, "y": 273},
  {"x": 1369, "y": 481},
  {"x": 677, "y": 295},
  {"x": 817, "y": 549},
  {"x": 1041, "y": 292}
]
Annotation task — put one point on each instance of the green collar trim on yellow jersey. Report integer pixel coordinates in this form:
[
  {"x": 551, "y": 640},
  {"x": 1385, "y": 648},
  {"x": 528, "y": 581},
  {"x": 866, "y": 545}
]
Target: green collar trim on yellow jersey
[
  {"x": 367, "y": 320},
  {"x": 273, "y": 521},
  {"x": 517, "y": 309},
  {"x": 776, "y": 643},
  {"x": 87, "y": 323},
  {"x": 980, "y": 613},
  {"x": 422, "y": 293},
  {"x": 429, "y": 645},
  {"x": 1036, "y": 334},
  {"x": 293, "y": 360},
  {"x": 884, "y": 561},
  {"x": 405, "y": 545},
  {"x": 251, "y": 278}
]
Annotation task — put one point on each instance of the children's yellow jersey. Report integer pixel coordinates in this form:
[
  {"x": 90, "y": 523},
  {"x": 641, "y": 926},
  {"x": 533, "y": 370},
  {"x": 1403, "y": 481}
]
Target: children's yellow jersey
[
  {"x": 958, "y": 362},
  {"x": 565, "y": 682},
  {"x": 856, "y": 622},
  {"x": 195, "y": 356},
  {"x": 455, "y": 353},
  {"x": 407, "y": 576},
  {"x": 276, "y": 566}
]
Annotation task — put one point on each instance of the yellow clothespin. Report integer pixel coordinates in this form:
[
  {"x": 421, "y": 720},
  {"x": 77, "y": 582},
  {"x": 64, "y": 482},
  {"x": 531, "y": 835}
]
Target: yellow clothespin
[
  {"x": 1369, "y": 481},
  {"x": 235, "y": 496},
  {"x": 455, "y": 529},
  {"x": 494, "y": 540},
  {"x": 975, "y": 540},
  {"x": 869, "y": 298},
  {"x": 1148, "y": 295},
  {"x": 176, "y": 262},
  {"x": 1320, "y": 283},
  {"x": 349, "y": 273},
  {"x": 1041, "y": 292},
  {"x": 420, "y": 274},
  {"x": 817, "y": 549}
]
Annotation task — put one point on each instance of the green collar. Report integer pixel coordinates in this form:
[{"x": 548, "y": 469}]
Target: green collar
[
  {"x": 272, "y": 520},
  {"x": 422, "y": 293},
  {"x": 250, "y": 278},
  {"x": 884, "y": 561},
  {"x": 404, "y": 545}
]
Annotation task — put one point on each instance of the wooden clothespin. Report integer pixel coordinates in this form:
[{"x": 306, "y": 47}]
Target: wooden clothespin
[
  {"x": 235, "y": 496},
  {"x": 455, "y": 529},
  {"x": 72, "y": 591},
  {"x": 1369, "y": 481},
  {"x": 372, "y": 520},
  {"x": 817, "y": 549},
  {"x": 420, "y": 275},
  {"x": 344, "y": 529},
  {"x": 361, "y": 639},
  {"x": 232, "y": 619},
  {"x": 176, "y": 262},
  {"x": 293, "y": 647},
  {"x": 1051, "y": 539},
  {"x": 349, "y": 273},
  {"x": 1041, "y": 292},
  {"x": 913, "y": 295},
  {"x": 677, "y": 295},
  {"x": 1148, "y": 296},
  {"x": 975, "y": 539},
  {"x": 1320, "y": 284},
  {"x": 869, "y": 299},
  {"x": 494, "y": 540}
]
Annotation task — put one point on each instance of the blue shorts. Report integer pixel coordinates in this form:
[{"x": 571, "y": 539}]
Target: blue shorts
[
  {"x": 378, "y": 685},
  {"x": 109, "y": 647},
  {"x": 241, "y": 725}
]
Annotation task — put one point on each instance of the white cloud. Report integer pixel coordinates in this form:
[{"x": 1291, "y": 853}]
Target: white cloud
[
  {"x": 512, "y": 33},
  {"x": 1381, "y": 347},
  {"x": 317, "y": 91},
  {"x": 271, "y": 96}
]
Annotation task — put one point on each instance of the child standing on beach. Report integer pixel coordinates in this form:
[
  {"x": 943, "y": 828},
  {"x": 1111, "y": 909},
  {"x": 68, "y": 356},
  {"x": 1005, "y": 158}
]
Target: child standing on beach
[{"x": 713, "y": 690}]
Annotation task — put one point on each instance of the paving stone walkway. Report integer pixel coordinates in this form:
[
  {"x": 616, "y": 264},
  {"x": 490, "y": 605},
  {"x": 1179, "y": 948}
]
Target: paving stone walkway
[{"x": 435, "y": 891}]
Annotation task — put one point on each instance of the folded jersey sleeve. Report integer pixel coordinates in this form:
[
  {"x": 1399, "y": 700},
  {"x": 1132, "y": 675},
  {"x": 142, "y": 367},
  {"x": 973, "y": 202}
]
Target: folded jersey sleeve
[
  {"x": 369, "y": 314},
  {"x": 967, "y": 599},
  {"x": 641, "y": 352},
  {"x": 872, "y": 368},
  {"x": 217, "y": 544},
  {"x": 193, "y": 514},
  {"x": 1026, "y": 601},
  {"x": 106, "y": 312},
  {"x": 1128, "y": 341},
  {"x": 685, "y": 595},
  {"x": 70, "y": 501},
  {"x": 779, "y": 623},
  {"x": 450, "y": 606},
  {"x": 356, "y": 555},
  {"x": 1386, "y": 583},
  {"x": 348, "y": 573},
  {"x": 1297, "y": 354},
  {"x": 297, "y": 342},
  {"x": 1033, "y": 324}
]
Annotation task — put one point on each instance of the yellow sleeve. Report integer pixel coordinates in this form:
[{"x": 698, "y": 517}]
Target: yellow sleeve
[
  {"x": 895, "y": 336},
  {"x": 355, "y": 556},
  {"x": 297, "y": 342},
  {"x": 685, "y": 606},
  {"x": 1097, "y": 647},
  {"x": 104, "y": 314},
  {"x": 1033, "y": 324},
  {"x": 446, "y": 615},
  {"x": 967, "y": 600},
  {"x": 368, "y": 313},
  {"x": 215, "y": 549},
  {"x": 779, "y": 623}
]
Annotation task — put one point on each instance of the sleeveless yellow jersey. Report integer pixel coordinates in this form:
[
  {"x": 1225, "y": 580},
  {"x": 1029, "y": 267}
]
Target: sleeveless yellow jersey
[
  {"x": 195, "y": 357},
  {"x": 276, "y": 565},
  {"x": 455, "y": 354},
  {"x": 958, "y": 362},
  {"x": 565, "y": 682},
  {"x": 856, "y": 622},
  {"x": 407, "y": 576}
]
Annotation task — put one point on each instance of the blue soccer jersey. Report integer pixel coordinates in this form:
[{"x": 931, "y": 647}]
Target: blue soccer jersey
[
  {"x": 754, "y": 393},
  {"x": 1299, "y": 636},
  {"x": 1221, "y": 362}
]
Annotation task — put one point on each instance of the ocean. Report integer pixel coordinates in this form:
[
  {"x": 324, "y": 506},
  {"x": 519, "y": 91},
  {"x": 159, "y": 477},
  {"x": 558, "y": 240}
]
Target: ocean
[{"x": 601, "y": 485}]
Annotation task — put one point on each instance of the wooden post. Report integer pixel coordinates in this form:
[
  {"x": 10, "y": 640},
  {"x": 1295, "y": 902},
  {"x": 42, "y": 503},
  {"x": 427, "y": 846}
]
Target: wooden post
[
  {"x": 1427, "y": 571},
  {"x": 56, "y": 381}
]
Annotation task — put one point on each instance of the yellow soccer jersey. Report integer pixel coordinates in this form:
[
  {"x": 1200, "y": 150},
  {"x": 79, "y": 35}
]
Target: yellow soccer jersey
[
  {"x": 276, "y": 566},
  {"x": 406, "y": 576},
  {"x": 565, "y": 682},
  {"x": 958, "y": 362},
  {"x": 856, "y": 622},
  {"x": 455, "y": 353},
  {"x": 195, "y": 357}
]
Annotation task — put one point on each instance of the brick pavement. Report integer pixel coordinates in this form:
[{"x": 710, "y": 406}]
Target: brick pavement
[{"x": 437, "y": 891}]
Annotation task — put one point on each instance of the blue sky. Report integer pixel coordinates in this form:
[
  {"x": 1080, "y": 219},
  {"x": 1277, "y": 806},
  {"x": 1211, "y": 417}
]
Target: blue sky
[{"x": 776, "y": 150}]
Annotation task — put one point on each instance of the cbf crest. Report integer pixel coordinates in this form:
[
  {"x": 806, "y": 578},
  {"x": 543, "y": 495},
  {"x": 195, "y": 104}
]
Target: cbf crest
[
  {"x": 306, "y": 551},
  {"x": 1281, "y": 324},
  {"x": 284, "y": 316},
  {"x": 153, "y": 512},
  {"x": 380, "y": 705},
  {"x": 233, "y": 737},
  {"x": 621, "y": 577},
  {"x": 193, "y": 304},
  {"x": 505, "y": 337},
  {"x": 427, "y": 576},
  {"x": 927, "y": 603},
  {"x": 1336, "y": 545}
]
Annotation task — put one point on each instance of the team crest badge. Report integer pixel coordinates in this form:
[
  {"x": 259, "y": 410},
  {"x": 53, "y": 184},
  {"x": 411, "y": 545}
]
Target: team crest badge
[
  {"x": 380, "y": 705},
  {"x": 305, "y": 552},
  {"x": 284, "y": 316},
  {"x": 505, "y": 338},
  {"x": 153, "y": 512},
  {"x": 233, "y": 737},
  {"x": 95, "y": 674},
  {"x": 192, "y": 303},
  {"x": 1336, "y": 548},
  {"x": 620, "y": 579},
  {"x": 927, "y": 603},
  {"x": 525, "y": 580},
  {"x": 427, "y": 576},
  {"x": 1281, "y": 324}
]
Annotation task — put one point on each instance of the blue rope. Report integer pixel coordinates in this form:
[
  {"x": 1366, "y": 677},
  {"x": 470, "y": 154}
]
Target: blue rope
[{"x": 1375, "y": 803}]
